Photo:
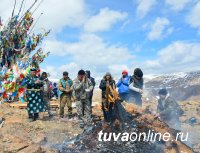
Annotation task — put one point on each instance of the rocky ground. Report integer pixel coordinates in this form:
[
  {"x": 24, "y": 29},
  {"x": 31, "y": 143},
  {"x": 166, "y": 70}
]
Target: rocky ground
[
  {"x": 48, "y": 135},
  {"x": 19, "y": 135}
]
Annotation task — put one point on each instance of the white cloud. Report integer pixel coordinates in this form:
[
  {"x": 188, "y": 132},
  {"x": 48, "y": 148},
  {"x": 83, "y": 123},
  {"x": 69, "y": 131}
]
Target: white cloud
[
  {"x": 104, "y": 20},
  {"x": 91, "y": 52},
  {"x": 117, "y": 69},
  {"x": 56, "y": 72},
  {"x": 177, "y": 5},
  {"x": 194, "y": 18},
  {"x": 144, "y": 7},
  {"x": 6, "y": 8},
  {"x": 91, "y": 47},
  {"x": 176, "y": 57},
  {"x": 56, "y": 14},
  {"x": 160, "y": 29},
  {"x": 61, "y": 13}
]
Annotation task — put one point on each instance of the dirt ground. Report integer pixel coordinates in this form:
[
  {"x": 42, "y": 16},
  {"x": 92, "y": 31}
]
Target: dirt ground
[{"x": 19, "y": 135}]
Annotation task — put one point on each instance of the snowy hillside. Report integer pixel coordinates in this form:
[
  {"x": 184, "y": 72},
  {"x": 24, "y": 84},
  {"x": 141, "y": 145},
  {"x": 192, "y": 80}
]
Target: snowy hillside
[{"x": 180, "y": 85}]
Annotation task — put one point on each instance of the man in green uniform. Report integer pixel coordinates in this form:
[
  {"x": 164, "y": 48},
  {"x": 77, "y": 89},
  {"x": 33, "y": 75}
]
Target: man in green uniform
[
  {"x": 82, "y": 88},
  {"x": 65, "y": 92},
  {"x": 34, "y": 97}
]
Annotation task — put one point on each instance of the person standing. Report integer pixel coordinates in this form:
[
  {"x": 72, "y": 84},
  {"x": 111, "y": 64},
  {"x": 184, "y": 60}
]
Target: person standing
[
  {"x": 34, "y": 97},
  {"x": 93, "y": 84},
  {"x": 106, "y": 82},
  {"x": 123, "y": 86},
  {"x": 136, "y": 87},
  {"x": 46, "y": 92},
  {"x": 55, "y": 90},
  {"x": 65, "y": 92},
  {"x": 82, "y": 88},
  {"x": 168, "y": 109}
]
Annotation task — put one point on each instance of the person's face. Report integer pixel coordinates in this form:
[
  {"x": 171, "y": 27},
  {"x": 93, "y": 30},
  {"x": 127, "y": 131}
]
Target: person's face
[
  {"x": 108, "y": 77},
  {"x": 33, "y": 73},
  {"x": 80, "y": 77},
  {"x": 162, "y": 97},
  {"x": 138, "y": 78},
  {"x": 123, "y": 75},
  {"x": 65, "y": 76},
  {"x": 44, "y": 76}
]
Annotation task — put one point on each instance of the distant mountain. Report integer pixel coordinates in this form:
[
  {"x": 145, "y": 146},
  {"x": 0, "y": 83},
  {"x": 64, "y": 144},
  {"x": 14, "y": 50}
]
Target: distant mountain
[{"x": 181, "y": 86}]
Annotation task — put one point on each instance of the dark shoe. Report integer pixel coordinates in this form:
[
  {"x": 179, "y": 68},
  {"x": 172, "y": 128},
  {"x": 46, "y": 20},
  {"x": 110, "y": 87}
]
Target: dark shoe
[{"x": 50, "y": 114}]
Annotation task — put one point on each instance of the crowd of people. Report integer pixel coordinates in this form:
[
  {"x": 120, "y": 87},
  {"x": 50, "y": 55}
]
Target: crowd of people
[{"x": 80, "y": 90}]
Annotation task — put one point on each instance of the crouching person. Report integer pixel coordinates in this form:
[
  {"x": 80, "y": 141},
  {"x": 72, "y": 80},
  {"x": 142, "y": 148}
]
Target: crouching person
[
  {"x": 168, "y": 110},
  {"x": 82, "y": 87}
]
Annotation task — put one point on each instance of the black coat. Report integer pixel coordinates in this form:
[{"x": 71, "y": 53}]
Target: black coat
[{"x": 102, "y": 86}]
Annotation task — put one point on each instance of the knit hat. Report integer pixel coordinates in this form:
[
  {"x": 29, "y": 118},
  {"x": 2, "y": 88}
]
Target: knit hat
[
  {"x": 108, "y": 74},
  {"x": 163, "y": 92},
  {"x": 81, "y": 72},
  {"x": 138, "y": 72},
  {"x": 125, "y": 72}
]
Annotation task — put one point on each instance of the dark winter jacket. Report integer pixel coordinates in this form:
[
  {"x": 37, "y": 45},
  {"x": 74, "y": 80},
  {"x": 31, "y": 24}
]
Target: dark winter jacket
[{"x": 102, "y": 86}]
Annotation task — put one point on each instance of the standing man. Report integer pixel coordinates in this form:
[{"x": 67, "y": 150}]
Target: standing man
[
  {"x": 82, "y": 89},
  {"x": 55, "y": 90},
  {"x": 107, "y": 82},
  {"x": 168, "y": 110},
  {"x": 123, "y": 86},
  {"x": 34, "y": 95},
  {"x": 93, "y": 84},
  {"x": 136, "y": 87},
  {"x": 46, "y": 92},
  {"x": 65, "y": 91}
]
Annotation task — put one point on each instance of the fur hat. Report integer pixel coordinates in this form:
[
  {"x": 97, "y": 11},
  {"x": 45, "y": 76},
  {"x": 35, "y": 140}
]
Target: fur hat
[{"x": 138, "y": 72}]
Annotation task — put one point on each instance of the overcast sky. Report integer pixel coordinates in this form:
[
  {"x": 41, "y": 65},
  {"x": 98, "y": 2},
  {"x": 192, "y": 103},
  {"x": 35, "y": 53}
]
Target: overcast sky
[{"x": 160, "y": 36}]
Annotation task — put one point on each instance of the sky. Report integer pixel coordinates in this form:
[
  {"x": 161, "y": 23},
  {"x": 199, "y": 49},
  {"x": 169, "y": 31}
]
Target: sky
[{"x": 158, "y": 36}]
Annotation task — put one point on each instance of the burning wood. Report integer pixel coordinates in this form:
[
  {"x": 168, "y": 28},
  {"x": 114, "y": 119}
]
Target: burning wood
[{"x": 102, "y": 137}]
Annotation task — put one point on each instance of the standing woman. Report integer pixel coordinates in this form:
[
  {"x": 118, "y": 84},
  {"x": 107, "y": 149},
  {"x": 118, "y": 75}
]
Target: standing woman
[
  {"x": 123, "y": 86},
  {"x": 34, "y": 97},
  {"x": 106, "y": 82}
]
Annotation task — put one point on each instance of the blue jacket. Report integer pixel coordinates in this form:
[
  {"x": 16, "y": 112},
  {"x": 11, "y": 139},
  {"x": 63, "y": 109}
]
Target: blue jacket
[{"x": 123, "y": 86}]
